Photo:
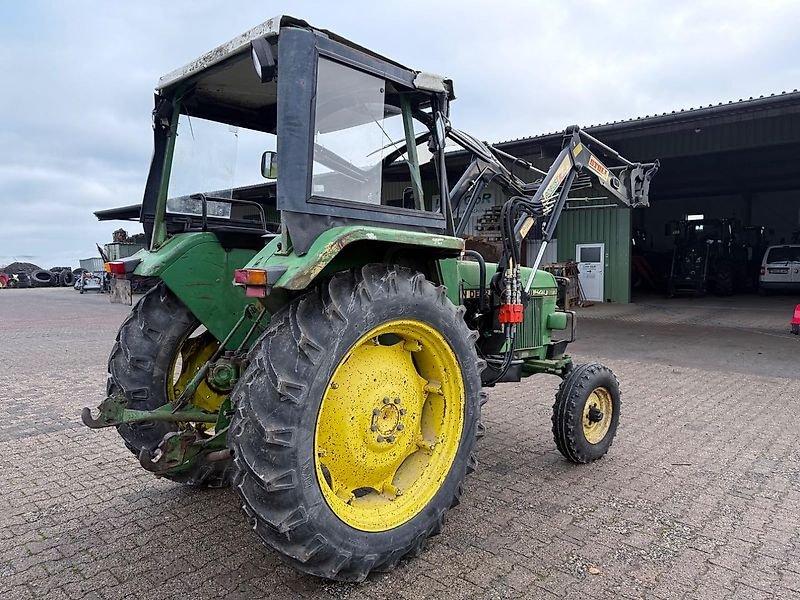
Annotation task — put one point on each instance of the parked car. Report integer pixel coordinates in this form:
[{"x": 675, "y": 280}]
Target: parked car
[{"x": 780, "y": 268}]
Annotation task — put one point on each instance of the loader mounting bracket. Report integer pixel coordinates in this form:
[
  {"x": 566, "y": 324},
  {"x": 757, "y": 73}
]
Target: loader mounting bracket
[{"x": 560, "y": 367}]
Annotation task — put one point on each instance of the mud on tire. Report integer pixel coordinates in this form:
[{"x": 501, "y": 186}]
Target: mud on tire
[{"x": 277, "y": 402}]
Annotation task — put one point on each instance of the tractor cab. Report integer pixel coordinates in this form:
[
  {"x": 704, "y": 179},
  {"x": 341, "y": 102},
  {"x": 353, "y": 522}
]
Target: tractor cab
[{"x": 295, "y": 119}]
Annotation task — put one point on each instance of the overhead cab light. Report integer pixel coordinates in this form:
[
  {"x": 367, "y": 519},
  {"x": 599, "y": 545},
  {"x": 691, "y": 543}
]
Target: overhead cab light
[{"x": 263, "y": 60}]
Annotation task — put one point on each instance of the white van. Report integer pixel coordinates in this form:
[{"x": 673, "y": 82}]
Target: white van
[{"x": 780, "y": 268}]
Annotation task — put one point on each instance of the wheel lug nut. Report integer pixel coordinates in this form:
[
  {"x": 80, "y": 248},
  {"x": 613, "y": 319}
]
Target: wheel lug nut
[
  {"x": 397, "y": 400},
  {"x": 386, "y": 401},
  {"x": 402, "y": 411},
  {"x": 390, "y": 439},
  {"x": 376, "y": 411},
  {"x": 374, "y": 428},
  {"x": 380, "y": 439},
  {"x": 400, "y": 427}
]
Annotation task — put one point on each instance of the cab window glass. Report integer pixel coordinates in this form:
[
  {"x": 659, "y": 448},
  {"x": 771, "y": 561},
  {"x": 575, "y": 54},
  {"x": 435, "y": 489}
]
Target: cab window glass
[{"x": 362, "y": 124}]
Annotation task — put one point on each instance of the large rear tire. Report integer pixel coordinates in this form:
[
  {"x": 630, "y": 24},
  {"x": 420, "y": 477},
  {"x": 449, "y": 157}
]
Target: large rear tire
[
  {"x": 355, "y": 422},
  {"x": 724, "y": 284},
  {"x": 143, "y": 365}
]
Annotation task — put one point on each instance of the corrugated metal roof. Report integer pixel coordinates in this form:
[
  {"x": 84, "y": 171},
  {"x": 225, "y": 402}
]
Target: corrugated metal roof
[{"x": 688, "y": 114}]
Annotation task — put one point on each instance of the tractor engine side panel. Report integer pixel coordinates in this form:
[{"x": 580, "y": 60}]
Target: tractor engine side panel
[{"x": 462, "y": 279}]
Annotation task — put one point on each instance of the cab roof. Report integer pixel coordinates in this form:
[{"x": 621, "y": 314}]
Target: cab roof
[{"x": 271, "y": 28}]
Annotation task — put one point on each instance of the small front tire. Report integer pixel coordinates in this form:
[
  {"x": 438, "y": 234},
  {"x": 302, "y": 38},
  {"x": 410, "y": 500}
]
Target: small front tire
[{"x": 586, "y": 413}]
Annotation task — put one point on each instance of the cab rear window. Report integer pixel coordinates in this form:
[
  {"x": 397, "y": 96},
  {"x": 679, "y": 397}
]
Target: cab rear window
[{"x": 784, "y": 254}]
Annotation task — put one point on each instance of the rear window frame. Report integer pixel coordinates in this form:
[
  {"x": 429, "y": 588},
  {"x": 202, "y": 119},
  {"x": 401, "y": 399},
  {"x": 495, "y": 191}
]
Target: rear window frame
[{"x": 793, "y": 252}]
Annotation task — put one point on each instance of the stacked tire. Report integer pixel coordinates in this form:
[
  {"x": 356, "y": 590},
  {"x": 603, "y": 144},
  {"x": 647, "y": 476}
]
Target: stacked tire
[
  {"x": 66, "y": 278},
  {"x": 41, "y": 278},
  {"x": 55, "y": 274},
  {"x": 62, "y": 277}
]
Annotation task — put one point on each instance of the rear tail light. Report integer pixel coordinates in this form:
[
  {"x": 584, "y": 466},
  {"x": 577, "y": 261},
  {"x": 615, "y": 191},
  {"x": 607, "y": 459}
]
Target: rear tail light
[
  {"x": 255, "y": 291},
  {"x": 254, "y": 282},
  {"x": 117, "y": 267},
  {"x": 258, "y": 282},
  {"x": 248, "y": 277},
  {"x": 763, "y": 270}
]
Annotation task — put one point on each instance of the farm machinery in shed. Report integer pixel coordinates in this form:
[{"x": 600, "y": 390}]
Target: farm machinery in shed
[
  {"x": 321, "y": 338},
  {"x": 718, "y": 255}
]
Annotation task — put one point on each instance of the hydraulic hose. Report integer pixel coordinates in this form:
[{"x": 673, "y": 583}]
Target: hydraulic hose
[
  {"x": 482, "y": 270},
  {"x": 509, "y": 356}
]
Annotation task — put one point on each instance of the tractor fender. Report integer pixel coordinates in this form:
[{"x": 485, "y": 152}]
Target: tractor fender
[
  {"x": 302, "y": 271},
  {"x": 199, "y": 271},
  {"x": 152, "y": 263}
]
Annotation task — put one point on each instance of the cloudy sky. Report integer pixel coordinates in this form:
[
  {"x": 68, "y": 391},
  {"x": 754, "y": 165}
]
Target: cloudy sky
[{"x": 77, "y": 80}]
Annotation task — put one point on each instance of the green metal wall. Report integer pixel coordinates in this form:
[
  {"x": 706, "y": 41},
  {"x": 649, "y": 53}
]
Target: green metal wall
[{"x": 611, "y": 226}]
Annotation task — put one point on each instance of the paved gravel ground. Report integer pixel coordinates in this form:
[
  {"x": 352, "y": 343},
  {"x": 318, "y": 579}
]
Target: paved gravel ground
[
  {"x": 741, "y": 311},
  {"x": 698, "y": 497}
]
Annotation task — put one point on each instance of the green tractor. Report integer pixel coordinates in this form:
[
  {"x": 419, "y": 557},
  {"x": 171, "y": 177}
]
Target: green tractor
[{"x": 320, "y": 337}]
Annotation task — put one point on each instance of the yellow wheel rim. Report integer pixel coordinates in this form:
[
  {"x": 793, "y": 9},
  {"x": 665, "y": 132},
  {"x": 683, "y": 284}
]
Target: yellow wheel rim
[
  {"x": 193, "y": 352},
  {"x": 597, "y": 414},
  {"x": 389, "y": 425}
]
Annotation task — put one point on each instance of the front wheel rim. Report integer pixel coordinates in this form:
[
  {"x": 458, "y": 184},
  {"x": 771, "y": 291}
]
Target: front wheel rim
[
  {"x": 597, "y": 415},
  {"x": 389, "y": 425}
]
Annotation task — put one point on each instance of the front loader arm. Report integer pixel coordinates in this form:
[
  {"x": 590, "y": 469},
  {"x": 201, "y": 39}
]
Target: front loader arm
[
  {"x": 629, "y": 185},
  {"x": 542, "y": 201}
]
